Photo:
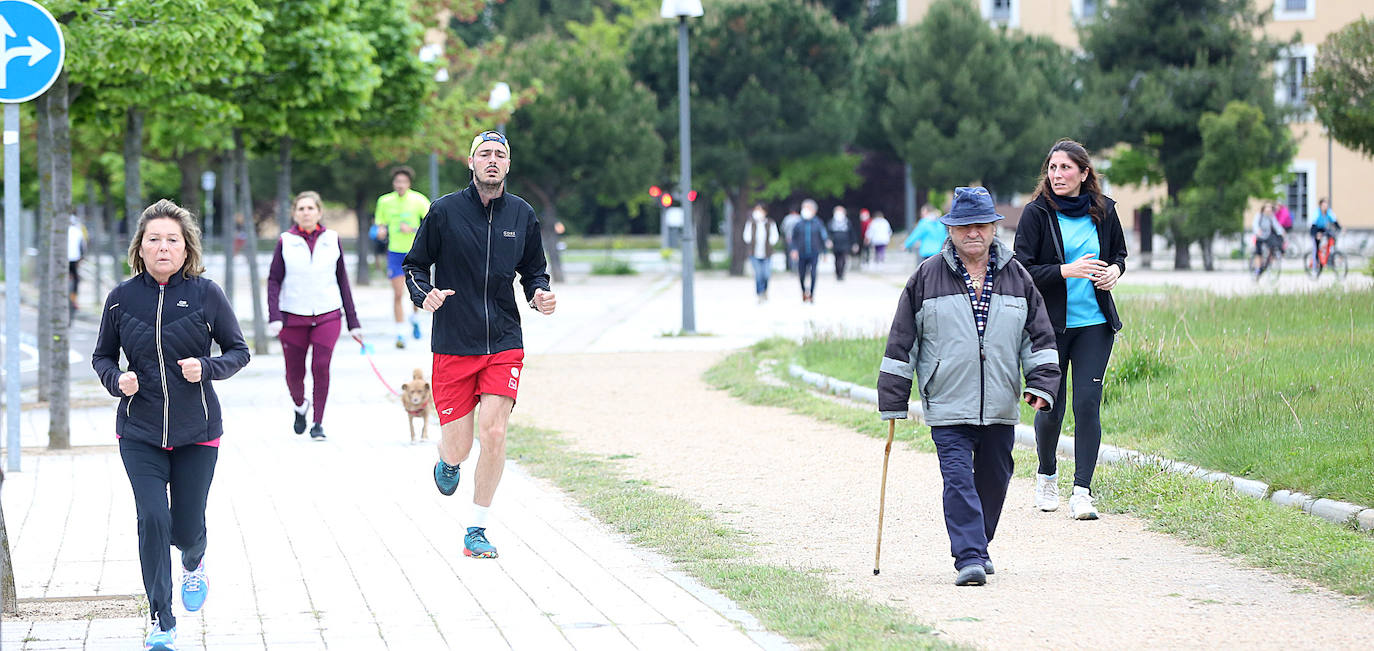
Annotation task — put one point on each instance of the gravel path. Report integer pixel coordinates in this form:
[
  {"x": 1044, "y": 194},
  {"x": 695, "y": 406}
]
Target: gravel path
[{"x": 806, "y": 494}]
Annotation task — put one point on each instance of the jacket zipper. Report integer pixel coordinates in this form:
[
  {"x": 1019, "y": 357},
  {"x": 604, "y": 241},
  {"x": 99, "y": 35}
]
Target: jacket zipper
[
  {"x": 162, "y": 363},
  {"x": 204, "y": 407},
  {"x": 486, "y": 277}
]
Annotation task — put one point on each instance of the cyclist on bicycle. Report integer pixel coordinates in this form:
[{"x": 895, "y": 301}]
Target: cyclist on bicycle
[
  {"x": 1324, "y": 225},
  {"x": 1268, "y": 235}
]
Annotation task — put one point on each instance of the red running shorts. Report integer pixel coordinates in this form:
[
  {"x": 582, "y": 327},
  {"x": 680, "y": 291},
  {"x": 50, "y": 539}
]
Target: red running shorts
[{"x": 460, "y": 380}]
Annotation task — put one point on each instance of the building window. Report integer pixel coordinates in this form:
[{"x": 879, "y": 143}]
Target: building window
[
  {"x": 1298, "y": 193},
  {"x": 1005, "y": 13},
  {"x": 1295, "y": 9},
  {"x": 1290, "y": 78},
  {"x": 1085, "y": 10}
]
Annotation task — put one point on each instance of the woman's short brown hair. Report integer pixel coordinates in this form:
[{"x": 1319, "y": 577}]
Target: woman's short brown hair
[
  {"x": 308, "y": 194},
  {"x": 190, "y": 230}
]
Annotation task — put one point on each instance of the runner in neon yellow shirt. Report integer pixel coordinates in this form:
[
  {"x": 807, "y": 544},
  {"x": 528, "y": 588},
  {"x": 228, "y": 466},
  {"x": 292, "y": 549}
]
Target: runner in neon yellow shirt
[{"x": 397, "y": 217}]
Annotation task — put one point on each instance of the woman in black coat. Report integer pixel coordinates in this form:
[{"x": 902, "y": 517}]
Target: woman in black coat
[
  {"x": 164, "y": 320},
  {"x": 1071, "y": 242}
]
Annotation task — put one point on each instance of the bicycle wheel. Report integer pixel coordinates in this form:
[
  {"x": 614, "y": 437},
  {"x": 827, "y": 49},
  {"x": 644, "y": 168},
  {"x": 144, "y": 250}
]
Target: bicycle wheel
[
  {"x": 1309, "y": 264},
  {"x": 1272, "y": 267},
  {"x": 1339, "y": 265}
]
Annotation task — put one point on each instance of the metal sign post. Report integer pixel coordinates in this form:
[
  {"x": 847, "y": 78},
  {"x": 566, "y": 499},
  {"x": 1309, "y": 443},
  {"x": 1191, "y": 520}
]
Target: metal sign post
[{"x": 31, "y": 55}]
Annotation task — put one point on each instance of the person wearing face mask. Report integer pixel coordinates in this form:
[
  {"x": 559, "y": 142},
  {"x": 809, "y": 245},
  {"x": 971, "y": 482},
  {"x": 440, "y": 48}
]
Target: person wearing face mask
[
  {"x": 307, "y": 299},
  {"x": 760, "y": 235},
  {"x": 1070, "y": 239},
  {"x": 168, "y": 421},
  {"x": 969, "y": 326},
  {"x": 839, "y": 236},
  {"x": 809, "y": 241}
]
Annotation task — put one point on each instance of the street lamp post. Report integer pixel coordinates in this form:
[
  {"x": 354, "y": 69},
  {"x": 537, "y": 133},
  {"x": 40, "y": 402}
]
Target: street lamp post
[{"x": 682, "y": 10}]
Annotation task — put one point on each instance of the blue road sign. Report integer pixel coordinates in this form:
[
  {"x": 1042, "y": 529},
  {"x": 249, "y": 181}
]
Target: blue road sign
[{"x": 31, "y": 50}]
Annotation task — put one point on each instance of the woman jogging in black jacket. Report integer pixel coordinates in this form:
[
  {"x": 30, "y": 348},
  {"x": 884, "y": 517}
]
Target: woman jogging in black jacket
[
  {"x": 168, "y": 421},
  {"x": 1070, "y": 240}
]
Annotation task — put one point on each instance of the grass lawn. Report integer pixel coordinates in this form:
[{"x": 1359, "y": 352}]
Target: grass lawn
[
  {"x": 1261, "y": 533},
  {"x": 1278, "y": 388},
  {"x": 794, "y": 603}
]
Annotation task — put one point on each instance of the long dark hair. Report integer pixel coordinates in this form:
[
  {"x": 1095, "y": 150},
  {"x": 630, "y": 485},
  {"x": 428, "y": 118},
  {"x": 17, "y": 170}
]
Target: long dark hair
[{"x": 1079, "y": 155}]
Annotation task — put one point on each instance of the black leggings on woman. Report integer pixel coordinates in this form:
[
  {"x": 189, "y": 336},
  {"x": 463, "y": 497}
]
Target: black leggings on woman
[{"x": 1084, "y": 352}]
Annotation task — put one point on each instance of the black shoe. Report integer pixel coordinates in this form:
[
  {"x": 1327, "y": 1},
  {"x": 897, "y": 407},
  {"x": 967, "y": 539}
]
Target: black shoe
[
  {"x": 317, "y": 432},
  {"x": 299, "y": 425},
  {"x": 971, "y": 575},
  {"x": 987, "y": 568}
]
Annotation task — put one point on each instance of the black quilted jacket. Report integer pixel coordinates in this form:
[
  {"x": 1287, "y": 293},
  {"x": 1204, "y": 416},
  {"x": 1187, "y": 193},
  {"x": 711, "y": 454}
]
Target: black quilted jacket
[{"x": 156, "y": 325}]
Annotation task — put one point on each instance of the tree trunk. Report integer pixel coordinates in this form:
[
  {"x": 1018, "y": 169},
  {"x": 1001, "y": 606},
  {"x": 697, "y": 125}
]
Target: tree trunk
[
  {"x": 284, "y": 185},
  {"x": 741, "y": 198},
  {"x": 363, "y": 272},
  {"x": 1181, "y": 258},
  {"x": 96, "y": 222},
  {"x": 701, "y": 221},
  {"x": 59, "y": 414},
  {"x": 229, "y": 212},
  {"x": 133, "y": 157},
  {"x": 250, "y": 246},
  {"x": 547, "y": 224},
  {"x": 9, "y": 597},
  {"x": 43, "y": 263},
  {"x": 1208, "y": 261},
  {"x": 112, "y": 221},
  {"x": 191, "y": 165}
]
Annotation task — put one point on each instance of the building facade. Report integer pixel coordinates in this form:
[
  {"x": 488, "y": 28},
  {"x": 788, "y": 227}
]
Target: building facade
[{"x": 1320, "y": 167}]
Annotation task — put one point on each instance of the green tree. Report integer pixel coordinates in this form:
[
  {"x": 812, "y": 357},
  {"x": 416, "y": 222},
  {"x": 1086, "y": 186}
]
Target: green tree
[
  {"x": 1164, "y": 64},
  {"x": 1341, "y": 86},
  {"x": 964, "y": 104},
  {"x": 589, "y": 134},
  {"x": 772, "y": 83},
  {"x": 1241, "y": 157}
]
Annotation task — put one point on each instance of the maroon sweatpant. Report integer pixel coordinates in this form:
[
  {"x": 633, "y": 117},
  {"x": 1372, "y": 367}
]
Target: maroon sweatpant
[{"x": 295, "y": 341}]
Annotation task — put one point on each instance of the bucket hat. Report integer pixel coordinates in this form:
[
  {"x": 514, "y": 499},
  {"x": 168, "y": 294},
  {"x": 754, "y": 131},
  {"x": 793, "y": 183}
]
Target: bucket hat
[{"x": 971, "y": 206}]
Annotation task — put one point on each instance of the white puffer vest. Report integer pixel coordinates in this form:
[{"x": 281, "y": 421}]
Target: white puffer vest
[{"x": 310, "y": 287}]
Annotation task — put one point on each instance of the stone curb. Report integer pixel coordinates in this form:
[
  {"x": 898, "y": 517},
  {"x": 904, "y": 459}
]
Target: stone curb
[{"x": 1341, "y": 513}]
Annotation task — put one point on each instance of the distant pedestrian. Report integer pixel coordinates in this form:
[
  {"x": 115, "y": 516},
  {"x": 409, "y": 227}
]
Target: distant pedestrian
[
  {"x": 760, "y": 235},
  {"x": 928, "y": 237},
  {"x": 879, "y": 234},
  {"x": 308, "y": 298},
  {"x": 839, "y": 236},
  {"x": 865, "y": 249},
  {"x": 76, "y": 251},
  {"x": 168, "y": 421},
  {"x": 809, "y": 240},
  {"x": 398, "y": 218},
  {"x": 967, "y": 367},
  {"x": 1070, "y": 239},
  {"x": 789, "y": 222}
]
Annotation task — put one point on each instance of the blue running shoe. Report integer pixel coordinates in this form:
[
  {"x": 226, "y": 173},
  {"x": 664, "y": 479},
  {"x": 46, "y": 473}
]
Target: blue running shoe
[
  {"x": 475, "y": 544},
  {"x": 415, "y": 329},
  {"x": 194, "y": 588},
  {"x": 445, "y": 477},
  {"x": 160, "y": 640}
]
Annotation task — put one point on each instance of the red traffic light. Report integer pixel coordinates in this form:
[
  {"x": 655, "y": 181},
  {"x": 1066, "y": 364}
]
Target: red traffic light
[
  {"x": 654, "y": 190},
  {"x": 692, "y": 195},
  {"x": 666, "y": 200}
]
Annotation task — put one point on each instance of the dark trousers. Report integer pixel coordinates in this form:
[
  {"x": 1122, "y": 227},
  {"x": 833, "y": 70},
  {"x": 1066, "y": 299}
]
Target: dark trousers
[
  {"x": 187, "y": 472},
  {"x": 975, "y": 461},
  {"x": 806, "y": 268},
  {"x": 840, "y": 259},
  {"x": 763, "y": 268},
  {"x": 295, "y": 341},
  {"x": 1084, "y": 353}
]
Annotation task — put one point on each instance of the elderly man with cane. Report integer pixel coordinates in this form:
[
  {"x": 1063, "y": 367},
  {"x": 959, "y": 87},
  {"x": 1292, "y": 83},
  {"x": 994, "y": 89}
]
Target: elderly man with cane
[{"x": 968, "y": 323}]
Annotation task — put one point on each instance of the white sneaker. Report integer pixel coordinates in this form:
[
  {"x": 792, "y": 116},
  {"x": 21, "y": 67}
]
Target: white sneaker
[
  {"x": 1047, "y": 492},
  {"x": 1081, "y": 504}
]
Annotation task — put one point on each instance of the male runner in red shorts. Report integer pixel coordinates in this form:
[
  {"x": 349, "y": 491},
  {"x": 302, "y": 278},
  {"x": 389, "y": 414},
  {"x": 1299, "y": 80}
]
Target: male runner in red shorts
[{"x": 478, "y": 240}]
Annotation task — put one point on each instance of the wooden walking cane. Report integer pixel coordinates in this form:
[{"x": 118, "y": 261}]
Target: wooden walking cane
[{"x": 882, "y": 493}]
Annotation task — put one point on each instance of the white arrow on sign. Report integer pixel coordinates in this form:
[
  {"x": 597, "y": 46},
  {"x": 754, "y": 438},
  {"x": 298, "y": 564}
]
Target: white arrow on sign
[{"x": 35, "y": 51}]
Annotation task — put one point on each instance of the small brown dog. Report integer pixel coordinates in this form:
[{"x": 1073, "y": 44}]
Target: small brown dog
[{"x": 416, "y": 398}]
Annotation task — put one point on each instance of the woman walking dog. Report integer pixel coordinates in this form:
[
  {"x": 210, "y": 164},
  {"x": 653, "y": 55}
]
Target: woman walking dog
[
  {"x": 168, "y": 421},
  {"x": 307, "y": 297}
]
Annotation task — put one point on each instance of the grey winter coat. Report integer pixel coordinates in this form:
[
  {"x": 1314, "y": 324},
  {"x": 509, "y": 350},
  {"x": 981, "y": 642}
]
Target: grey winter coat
[{"x": 964, "y": 379}]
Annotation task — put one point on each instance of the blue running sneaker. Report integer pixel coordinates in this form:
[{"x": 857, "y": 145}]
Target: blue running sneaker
[
  {"x": 194, "y": 588},
  {"x": 415, "y": 328},
  {"x": 445, "y": 477},
  {"x": 160, "y": 640},
  {"x": 475, "y": 544}
]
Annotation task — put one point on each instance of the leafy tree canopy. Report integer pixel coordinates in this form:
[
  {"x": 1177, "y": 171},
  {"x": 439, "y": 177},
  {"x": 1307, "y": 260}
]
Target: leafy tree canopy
[{"x": 1342, "y": 85}]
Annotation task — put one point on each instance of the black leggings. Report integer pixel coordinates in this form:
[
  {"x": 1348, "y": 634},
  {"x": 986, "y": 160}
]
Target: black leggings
[
  {"x": 1084, "y": 353},
  {"x": 187, "y": 472},
  {"x": 806, "y": 268}
]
